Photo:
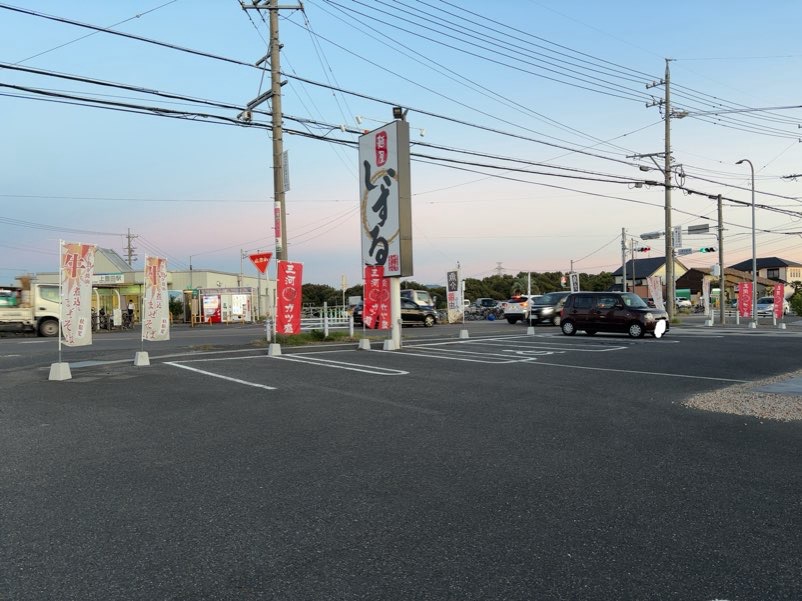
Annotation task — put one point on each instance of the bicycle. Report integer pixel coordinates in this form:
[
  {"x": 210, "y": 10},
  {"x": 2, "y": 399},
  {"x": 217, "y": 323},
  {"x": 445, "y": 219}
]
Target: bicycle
[{"x": 128, "y": 322}]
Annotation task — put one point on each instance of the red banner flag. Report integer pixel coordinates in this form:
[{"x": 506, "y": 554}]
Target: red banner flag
[
  {"x": 288, "y": 297},
  {"x": 745, "y": 299},
  {"x": 260, "y": 260},
  {"x": 376, "y": 309},
  {"x": 779, "y": 300}
]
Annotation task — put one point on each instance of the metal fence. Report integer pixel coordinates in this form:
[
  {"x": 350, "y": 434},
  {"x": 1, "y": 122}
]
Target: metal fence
[{"x": 327, "y": 318}]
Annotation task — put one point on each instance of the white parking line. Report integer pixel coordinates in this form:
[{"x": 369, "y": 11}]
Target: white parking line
[
  {"x": 214, "y": 375},
  {"x": 367, "y": 369},
  {"x": 635, "y": 371}
]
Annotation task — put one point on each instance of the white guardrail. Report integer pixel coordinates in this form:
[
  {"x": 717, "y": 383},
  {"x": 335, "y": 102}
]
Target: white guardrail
[{"x": 327, "y": 318}]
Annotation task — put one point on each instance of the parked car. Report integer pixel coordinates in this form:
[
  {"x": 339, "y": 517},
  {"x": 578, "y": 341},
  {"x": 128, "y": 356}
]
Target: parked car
[
  {"x": 517, "y": 308},
  {"x": 486, "y": 303},
  {"x": 411, "y": 314},
  {"x": 765, "y": 306},
  {"x": 414, "y": 314},
  {"x": 546, "y": 309},
  {"x": 611, "y": 312},
  {"x": 683, "y": 303}
]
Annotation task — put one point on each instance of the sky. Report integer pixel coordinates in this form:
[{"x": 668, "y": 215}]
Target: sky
[{"x": 528, "y": 124}]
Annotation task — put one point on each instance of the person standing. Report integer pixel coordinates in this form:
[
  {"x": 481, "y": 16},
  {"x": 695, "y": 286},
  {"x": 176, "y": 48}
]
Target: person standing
[{"x": 131, "y": 311}]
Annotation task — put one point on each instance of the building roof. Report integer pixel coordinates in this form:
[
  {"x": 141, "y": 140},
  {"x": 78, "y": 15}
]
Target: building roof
[
  {"x": 731, "y": 274},
  {"x": 765, "y": 263},
  {"x": 643, "y": 267},
  {"x": 113, "y": 257}
]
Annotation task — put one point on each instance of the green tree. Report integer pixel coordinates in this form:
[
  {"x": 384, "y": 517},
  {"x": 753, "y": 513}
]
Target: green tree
[
  {"x": 796, "y": 298},
  {"x": 317, "y": 294}
]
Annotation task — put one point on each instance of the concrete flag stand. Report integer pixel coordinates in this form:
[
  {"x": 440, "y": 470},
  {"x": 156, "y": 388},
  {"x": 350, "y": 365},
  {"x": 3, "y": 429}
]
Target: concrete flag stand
[
  {"x": 60, "y": 371},
  {"x": 141, "y": 359},
  {"x": 364, "y": 344},
  {"x": 274, "y": 349}
]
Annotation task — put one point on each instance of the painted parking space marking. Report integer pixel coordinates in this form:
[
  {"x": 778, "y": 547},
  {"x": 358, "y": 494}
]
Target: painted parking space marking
[
  {"x": 643, "y": 373},
  {"x": 359, "y": 367},
  {"x": 222, "y": 377}
]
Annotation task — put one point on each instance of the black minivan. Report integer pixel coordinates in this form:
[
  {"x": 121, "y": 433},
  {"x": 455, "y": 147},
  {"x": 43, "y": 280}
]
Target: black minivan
[{"x": 611, "y": 312}]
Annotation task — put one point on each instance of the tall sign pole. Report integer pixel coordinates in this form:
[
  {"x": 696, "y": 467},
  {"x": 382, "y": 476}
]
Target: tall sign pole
[{"x": 386, "y": 208}]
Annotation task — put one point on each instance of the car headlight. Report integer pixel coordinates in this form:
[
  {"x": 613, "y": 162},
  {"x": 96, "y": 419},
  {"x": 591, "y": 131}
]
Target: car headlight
[
  {"x": 546, "y": 311},
  {"x": 648, "y": 317}
]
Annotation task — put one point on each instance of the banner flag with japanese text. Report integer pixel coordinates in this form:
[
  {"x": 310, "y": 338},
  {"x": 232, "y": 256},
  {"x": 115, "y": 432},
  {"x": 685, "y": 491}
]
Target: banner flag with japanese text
[
  {"x": 289, "y": 297},
  {"x": 655, "y": 285},
  {"x": 745, "y": 299},
  {"x": 156, "y": 304},
  {"x": 77, "y": 266},
  {"x": 779, "y": 300},
  {"x": 376, "y": 309}
]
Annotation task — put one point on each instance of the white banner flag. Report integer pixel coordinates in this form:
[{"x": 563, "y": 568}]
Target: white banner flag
[
  {"x": 76, "y": 270},
  {"x": 156, "y": 304}
]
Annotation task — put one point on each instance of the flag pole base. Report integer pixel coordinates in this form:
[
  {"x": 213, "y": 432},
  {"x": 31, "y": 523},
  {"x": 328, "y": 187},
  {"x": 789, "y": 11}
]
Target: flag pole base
[
  {"x": 141, "y": 359},
  {"x": 60, "y": 371},
  {"x": 274, "y": 349}
]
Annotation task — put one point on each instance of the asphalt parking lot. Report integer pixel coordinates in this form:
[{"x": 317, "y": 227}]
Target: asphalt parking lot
[{"x": 502, "y": 466}]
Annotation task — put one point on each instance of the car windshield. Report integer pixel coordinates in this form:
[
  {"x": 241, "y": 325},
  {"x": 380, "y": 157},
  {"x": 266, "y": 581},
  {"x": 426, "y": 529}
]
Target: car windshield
[
  {"x": 633, "y": 300},
  {"x": 552, "y": 298},
  {"x": 766, "y": 300}
]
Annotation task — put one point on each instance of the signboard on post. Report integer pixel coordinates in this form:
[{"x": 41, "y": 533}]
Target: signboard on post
[
  {"x": 385, "y": 199},
  {"x": 260, "y": 260},
  {"x": 574, "y": 279}
]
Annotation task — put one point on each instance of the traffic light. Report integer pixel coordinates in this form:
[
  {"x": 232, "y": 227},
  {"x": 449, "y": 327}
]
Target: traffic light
[
  {"x": 707, "y": 249},
  {"x": 643, "y": 249}
]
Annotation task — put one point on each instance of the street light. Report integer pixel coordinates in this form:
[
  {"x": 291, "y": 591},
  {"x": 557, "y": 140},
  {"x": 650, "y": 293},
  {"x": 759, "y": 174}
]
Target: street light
[{"x": 753, "y": 324}]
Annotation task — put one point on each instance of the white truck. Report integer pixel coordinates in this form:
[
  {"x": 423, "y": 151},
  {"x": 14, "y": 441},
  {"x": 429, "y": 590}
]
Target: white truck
[{"x": 32, "y": 308}]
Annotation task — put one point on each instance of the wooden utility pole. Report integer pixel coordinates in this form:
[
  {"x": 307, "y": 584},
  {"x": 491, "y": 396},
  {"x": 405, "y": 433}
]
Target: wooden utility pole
[{"x": 279, "y": 187}]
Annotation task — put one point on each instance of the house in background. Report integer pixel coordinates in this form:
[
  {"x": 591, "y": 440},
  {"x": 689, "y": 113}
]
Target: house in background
[
  {"x": 693, "y": 280},
  {"x": 773, "y": 268},
  {"x": 638, "y": 270}
]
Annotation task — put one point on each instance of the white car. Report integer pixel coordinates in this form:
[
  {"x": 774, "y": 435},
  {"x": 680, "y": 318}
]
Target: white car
[
  {"x": 765, "y": 306},
  {"x": 517, "y": 308},
  {"x": 683, "y": 303}
]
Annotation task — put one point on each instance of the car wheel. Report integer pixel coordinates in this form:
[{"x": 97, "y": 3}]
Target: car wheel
[
  {"x": 568, "y": 328},
  {"x": 636, "y": 330},
  {"x": 590, "y": 332},
  {"x": 511, "y": 320},
  {"x": 555, "y": 321},
  {"x": 428, "y": 321},
  {"x": 49, "y": 328}
]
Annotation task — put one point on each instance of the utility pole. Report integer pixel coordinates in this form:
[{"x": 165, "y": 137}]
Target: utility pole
[
  {"x": 666, "y": 102},
  {"x": 130, "y": 248},
  {"x": 722, "y": 279},
  {"x": 279, "y": 188},
  {"x": 623, "y": 259}
]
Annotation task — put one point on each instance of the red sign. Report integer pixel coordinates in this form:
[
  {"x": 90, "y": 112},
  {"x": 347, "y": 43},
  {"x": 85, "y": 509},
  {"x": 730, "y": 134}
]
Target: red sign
[
  {"x": 289, "y": 297},
  {"x": 261, "y": 260},
  {"x": 745, "y": 299},
  {"x": 376, "y": 308},
  {"x": 779, "y": 300},
  {"x": 381, "y": 148}
]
